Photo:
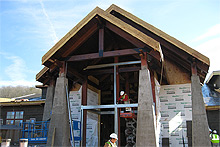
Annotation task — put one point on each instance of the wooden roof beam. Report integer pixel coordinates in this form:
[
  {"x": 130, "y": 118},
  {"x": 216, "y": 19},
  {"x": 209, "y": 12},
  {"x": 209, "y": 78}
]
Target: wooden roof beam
[
  {"x": 105, "y": 54},
  {"x": 101, "y": 41},
  {"x": 80, "y": 41},
  {"x": 131, "y": 39},
  {"x": 125, "y": 35},
  {"x": 103, "y": 77},
  {"x": 108, "y": 71},
  {"x": 114, "y": 53},
  {"x": 76, "y": 74}
]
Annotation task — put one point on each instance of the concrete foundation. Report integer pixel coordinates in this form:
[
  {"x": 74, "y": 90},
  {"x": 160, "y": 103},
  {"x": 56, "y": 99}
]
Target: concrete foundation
[
  {"x": 200, "y": 132},
  {"x": 145, "y": 119},
  {"x": 60, "y": 136},
  {"x": 48, "y": 103}
]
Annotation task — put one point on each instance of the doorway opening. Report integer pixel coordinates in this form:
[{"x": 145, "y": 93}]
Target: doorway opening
[{"x": 112, "y": 113}]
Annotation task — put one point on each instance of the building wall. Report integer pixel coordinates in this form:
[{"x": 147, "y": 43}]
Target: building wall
[
  {"x": 30, "y": 111},
  {"x": 213, "y": 119},
  {"x": 44, "y": 92},
  {"x": 176, "y": 110},
  {"x": 13, "y": 132}
]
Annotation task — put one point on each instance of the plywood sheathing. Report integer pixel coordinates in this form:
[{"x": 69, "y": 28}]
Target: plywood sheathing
[
  {"x": 175, "y": 74},
  {"x": 110, "y": 18}
]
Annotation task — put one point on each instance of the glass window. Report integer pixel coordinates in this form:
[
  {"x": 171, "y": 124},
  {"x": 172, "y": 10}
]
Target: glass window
[
  {"x": 19, "y": 115},
  {"x": 17, "y": 122},
  {"x": 9, "y": 122},
  {"x": 14, "y": 118},
  {"x": 32, "y": 120},
  {"x": 10, "y": 115},
  {"x": 1, "y": 121}
]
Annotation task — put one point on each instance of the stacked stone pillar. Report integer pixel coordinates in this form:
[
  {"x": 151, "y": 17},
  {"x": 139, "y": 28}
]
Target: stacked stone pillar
[
  {"x": 200, "y": 131},
  {"x": 145, "y": 135},
  {"x": 49, "y": 101},
  {"x": 59, "y": 129}
]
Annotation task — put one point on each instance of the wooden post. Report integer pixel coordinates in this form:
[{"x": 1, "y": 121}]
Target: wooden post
[
  {"x": 101, "y": 41},
  {"x": 84, "y": 103},
  {"x": 144, "y": 60},
  {"x": 153, "y": 90},
  {"x": 62, "y": 69},
  {"x": 193, "y": 68}
]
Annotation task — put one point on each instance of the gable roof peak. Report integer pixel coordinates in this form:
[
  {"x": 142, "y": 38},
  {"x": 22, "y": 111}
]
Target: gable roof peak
[
  {"x": 108, "y": 17},
  {"x": 159, "y": 33}
]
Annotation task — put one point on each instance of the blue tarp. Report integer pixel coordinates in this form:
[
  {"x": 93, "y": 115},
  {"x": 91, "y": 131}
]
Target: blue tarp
[{"x": 211, "y": 97}]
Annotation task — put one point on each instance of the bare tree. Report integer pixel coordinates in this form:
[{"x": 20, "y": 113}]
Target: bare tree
[{"x": 10, "y": 91}]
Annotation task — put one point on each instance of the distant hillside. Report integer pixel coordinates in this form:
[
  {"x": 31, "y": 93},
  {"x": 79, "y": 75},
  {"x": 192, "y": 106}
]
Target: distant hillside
[{"x": 11, "y": 92}]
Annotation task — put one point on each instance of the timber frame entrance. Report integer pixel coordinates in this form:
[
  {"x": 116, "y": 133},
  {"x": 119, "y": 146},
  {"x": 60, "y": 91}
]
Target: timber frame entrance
[{"x": 118, "y": 39}]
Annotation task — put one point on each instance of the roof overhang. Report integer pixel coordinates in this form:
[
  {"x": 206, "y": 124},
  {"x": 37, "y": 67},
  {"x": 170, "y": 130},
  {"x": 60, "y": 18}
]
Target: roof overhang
[
  {"x": 25, "y": 103},
  {"x": 213, "y": 75},
  {"x": 212, "y": 107},
  {"x": 40, "y": 76},
  {"x": 187, "y": 53},
  {"x": 156, "y": 40},
  {"x": 97, "y": 12}
]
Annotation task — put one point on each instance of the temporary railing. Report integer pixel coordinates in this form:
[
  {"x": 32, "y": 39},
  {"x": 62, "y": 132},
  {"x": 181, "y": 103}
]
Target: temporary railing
[{"x": 35, "y": 132}]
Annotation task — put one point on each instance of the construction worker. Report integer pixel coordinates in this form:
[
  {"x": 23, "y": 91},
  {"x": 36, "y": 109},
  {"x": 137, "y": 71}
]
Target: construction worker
[
  {"x": 112, "y": 141},
  {"x": 210, "y": 135},
  {"x": 215, "y": 138},
  {"x": 124, "y": 98}
]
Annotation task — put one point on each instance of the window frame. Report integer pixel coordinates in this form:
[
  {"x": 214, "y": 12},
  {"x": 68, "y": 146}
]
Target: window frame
[
  {"x": 14, "y": 117},
  {"x": 1, "y": 121}
]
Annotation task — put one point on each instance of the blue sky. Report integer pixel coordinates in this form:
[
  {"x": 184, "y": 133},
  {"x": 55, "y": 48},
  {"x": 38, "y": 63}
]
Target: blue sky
[{"x": 29, "y": 28}]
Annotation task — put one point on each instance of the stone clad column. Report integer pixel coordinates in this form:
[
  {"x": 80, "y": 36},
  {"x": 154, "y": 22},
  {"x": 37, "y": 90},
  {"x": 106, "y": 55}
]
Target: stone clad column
[
  {"x": 49, "y": 101},
  {"x": 59, "y": 129},
  {"x": 200, "y": 131},
  {"x": 145, "y": 135}
]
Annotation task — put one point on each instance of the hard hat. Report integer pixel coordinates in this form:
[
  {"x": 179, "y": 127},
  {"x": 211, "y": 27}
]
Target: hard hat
[
  {"x": 122, "y": 93},
  {"x": 215, "y": 131},
  {"x": 113, "y": 135}
]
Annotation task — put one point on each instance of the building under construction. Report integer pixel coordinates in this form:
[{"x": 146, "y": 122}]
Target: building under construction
[{"x": 112, "y": 50}]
